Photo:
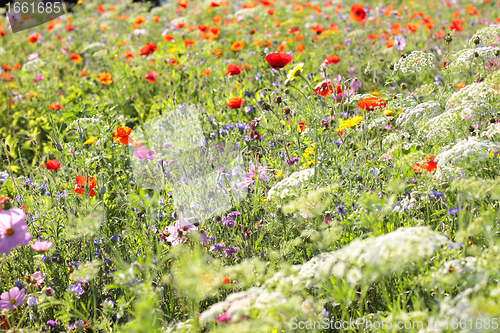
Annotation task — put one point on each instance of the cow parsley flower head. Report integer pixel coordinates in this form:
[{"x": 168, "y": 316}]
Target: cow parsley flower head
[{"x": 415, "y": 62}]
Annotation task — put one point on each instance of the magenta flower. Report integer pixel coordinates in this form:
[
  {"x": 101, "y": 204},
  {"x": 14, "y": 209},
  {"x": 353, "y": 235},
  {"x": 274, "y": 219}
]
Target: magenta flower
[
  {"x": 143, "y": 154},
  {"x": 12, "y": 298},
  {"x": 224, "y": 318},
  {"x": 41, "y": 246},
  {"x": 37, "y": 279},
  {"x": 249, "y": 178},
  {"x": 13, "y": 230}
]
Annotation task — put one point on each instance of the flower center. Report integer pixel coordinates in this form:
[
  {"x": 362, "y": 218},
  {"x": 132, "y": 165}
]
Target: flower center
[
  {"x": 13, "y": 301},
  {"x": 252, "y": 177},
  {"x": 9, "y": 231}
]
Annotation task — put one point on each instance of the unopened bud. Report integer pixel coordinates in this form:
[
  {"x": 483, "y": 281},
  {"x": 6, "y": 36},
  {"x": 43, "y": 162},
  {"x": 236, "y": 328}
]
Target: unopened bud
[{"x": 476, "y": 40}]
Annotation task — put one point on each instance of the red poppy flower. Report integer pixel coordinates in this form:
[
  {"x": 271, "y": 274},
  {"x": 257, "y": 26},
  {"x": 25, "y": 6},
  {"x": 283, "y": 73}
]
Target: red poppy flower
[
  {"x": 52, "y": 165},
  {"x": 331, "y": 59},
  {"x": 148, "y": 49},
  {"x": 357, "y": 13},
  {"x": 456, "y": 25},
  {"x": 370, "y": 103},
  {"x": 151, "y": 77},
  {"x": 234, "y": 102},
  {"x": 122, "y": 135},
  {"x": 278, "y": 60},
  {"x": 233, "y": 70},
  {"x": 324, "y": 88},
  {"x": 226, "y": 280},
  {"x": 81, "y": 183},
  {"x": 302, "y": 126},
  {"x": 430, "y": 165},
  {"x": 55, "y": 106}
]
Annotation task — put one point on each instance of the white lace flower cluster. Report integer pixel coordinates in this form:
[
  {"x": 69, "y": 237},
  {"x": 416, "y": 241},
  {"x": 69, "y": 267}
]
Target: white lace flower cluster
[
  {"x": 474, "y": 95},
  {"x": 448, "y": 160},
  {"x": 491, "y": 131},
  {"x": 414, "y": 116},
  {"x": 487, "y": 35},
  {"x": 289, "y": 185},
  {"x": 472, "y": 146},
  {"x": 4, "y": 176},
  {"x": 360, "y": 260},
  {"x": 463, "y": 57},
  {"x": 415, "y": 62},
  {"x": 377, "y": 256}
]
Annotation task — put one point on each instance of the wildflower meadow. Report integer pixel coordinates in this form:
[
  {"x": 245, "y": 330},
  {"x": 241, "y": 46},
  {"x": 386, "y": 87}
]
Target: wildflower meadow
[{"x": 250, "y": 166}]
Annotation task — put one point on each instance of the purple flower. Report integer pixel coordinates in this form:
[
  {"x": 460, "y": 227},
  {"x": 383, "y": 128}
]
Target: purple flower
[
  {"x": 340, "y": 210},
  {"x": 13, "y": 230},
  {"x": 217, "y": 247},
  {"x": 76, "y": 288},
  {"x": 12, "y": 299},
  {"x": 231, "y": 250},
  {"x": 52, "y": 323},
  {"x": 292, "y": 160},
  {"x": 452, "y": 211},
  {"x": 436, "y": 195},
  {"x": 143, "y": 154}
]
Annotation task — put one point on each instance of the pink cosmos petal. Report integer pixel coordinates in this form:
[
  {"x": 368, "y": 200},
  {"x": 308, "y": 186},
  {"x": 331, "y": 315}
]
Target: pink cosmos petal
[{"x": 12, "y": 221}]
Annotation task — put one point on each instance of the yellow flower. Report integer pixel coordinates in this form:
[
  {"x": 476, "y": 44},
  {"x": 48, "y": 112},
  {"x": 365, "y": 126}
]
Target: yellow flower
[
  {"x": 309, "y": 151},
  {"x": 173, "y": 49},
  {"x": 374, "y": 93},
  {"x": 90, "y": 141},
  {"x": 388, "y": 113},
  {"x": 236, "y": 85},
  {"x": 352, "y": 122},
  {"x": 279, "y": 174},
  {"x": 292, "y": 73}
]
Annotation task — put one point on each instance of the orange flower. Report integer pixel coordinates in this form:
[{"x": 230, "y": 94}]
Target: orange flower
[
  {"x": 6, "y": 77},
  {"x": 55, "y": 106},
  {"x": 429, "y": 165},
  {"x": 81, "y": 183},
  {"x": 357, "y": 13},
  {"x": 226, "y": 280},
  {"x": 75, "y": 57},
  {"x": 460, "y": 86},
  {"x": 122, "y": 135},
  {"x": 203, "y": 27},
  {"x": 104, "y": 78},
  {"x": 237, "y": 46},
  {"x": 206, "y": 72},
  {"x": 156, "y": 19},
  {"x": 217, "y": 19},
  {"x": 33, "y": 37},
  {"x": 234, "y": 102},
  {"x": 396, "y": 29},
  {"x": 16, "y": 66},
  {"x": 370, "y": 103},
  {"x": 390, "y": 43},
  {"x": 217, "y": 52},
  {"x": 129, "y": 54},
  {"x": 168, "y": 38},
  {"x": 140, "y": 20},
  {"x": 84, "y": 72},
  {"x": 300, "y": 48},
  {"x": 189, "y": 42}
]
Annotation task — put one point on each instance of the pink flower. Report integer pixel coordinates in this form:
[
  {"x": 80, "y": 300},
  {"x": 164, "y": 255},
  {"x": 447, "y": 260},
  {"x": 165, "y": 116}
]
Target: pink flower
[
  {"x": 174, "y": 234},
  {"x": 37, "y": 278},
  {"x": 252, "y": 174},
  {"x": 224, "y": 318},
  {"x": 13, "y": 230},
  {"x": 12, "y": 298},
  {"x": 41, "y": 247}
]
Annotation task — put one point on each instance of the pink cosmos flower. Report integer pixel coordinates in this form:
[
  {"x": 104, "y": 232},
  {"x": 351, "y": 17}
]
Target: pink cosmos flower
[
  {"x": 41, "y": 246},
  {"x": 12, "y": 298},
  {"x": 249, "y": 178},
  {"x": 13, "y": 230},
  {"x": 174, "y": 234},
  {"x": 38, "y": 278}
]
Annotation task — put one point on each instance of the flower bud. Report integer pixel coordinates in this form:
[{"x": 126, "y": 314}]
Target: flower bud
[
  {"x": 476, "y": 40},
  {"x": 403, "y": 86},
  {"x": 448, "y": 39}
]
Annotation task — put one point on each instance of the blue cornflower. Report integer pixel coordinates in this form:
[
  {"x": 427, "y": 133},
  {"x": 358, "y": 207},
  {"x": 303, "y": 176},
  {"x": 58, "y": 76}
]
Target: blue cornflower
[
  {"x": 436, "y": 195},
  {"x": 452, "y": 211},
  {"x": 340, "y": 210}
]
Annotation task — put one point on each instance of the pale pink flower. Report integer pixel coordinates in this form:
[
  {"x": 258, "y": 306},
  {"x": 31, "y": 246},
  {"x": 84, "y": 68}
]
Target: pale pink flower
[
  {"x": 38, "y": 279},
  {"x": 41, "y": 246},
  {"x": 13, "y": 230},
  {"x": 249, "y": 178},
  {"x": 12, "y": 298}
]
